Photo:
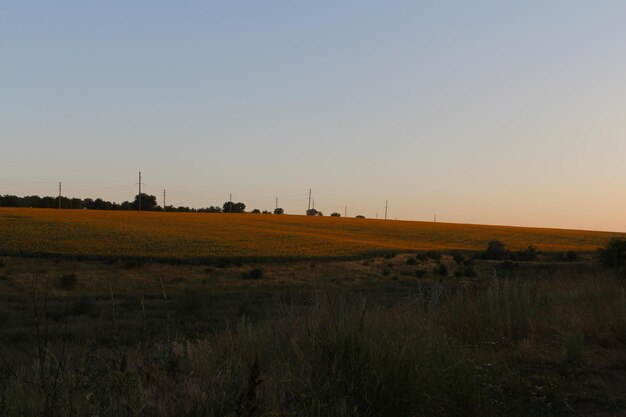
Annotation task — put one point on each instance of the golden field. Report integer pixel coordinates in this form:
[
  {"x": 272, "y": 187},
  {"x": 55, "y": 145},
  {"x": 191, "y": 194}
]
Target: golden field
[{"x": 208, "y": 235}]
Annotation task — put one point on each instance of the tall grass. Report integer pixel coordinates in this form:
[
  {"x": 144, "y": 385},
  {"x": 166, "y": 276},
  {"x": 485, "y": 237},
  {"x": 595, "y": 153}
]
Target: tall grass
[{"x": 339, "y": 357}]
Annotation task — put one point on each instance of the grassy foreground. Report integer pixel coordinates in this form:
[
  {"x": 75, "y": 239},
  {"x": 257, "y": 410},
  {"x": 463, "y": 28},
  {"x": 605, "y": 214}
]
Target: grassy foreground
[
  {"x": 203, "y": 237},
  {"x": 552, "y": 345}
]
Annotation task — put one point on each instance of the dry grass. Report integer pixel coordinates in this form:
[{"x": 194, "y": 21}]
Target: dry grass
[{"x": 189, "y": 236}]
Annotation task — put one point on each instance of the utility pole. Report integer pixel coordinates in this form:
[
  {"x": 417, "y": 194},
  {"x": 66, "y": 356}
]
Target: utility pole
[
  {"x": 276, "y": 203},
  {"x": 230, "y": 200},
  {"x": 376, "y": 215},
  {"x": 163, "y": 200},
  {"x": 385, "y": 209},
  {"x": 59, "y": 194},
  {"x": 435, "y": 219},
  {"x": 345, "y": 211},
  {"x": 139, "y": 198},
  {"x": 309, "y": 200}
]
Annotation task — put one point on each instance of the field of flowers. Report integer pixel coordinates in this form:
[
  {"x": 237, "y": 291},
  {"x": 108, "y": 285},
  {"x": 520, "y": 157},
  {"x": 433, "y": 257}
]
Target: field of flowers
[{"x": 188, "y": 236}]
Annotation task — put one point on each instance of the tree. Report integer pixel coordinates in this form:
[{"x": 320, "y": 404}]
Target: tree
[
  {"x": 335, "y": 214},
  {"x": 495, "y": 250},
  {"x": 148, "y": 202},
  {"x": 279, "y": 211},
  {"x": 614, "y": 254},
  {"x": 256, "y": 211},
  {"x": 230, "y": 207},
  {"x": 313, "y": 212},
  {"x": 360, "y": 216}
]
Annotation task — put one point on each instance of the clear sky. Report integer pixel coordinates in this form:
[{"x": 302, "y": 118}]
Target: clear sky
[{"x": 494, "y": 112}]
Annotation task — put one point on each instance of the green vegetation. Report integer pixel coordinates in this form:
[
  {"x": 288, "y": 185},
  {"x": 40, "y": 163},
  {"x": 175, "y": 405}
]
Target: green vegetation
[{"x": 435, "y": 334}]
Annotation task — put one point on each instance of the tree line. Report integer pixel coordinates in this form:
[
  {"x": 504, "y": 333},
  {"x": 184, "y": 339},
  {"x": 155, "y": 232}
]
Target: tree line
[{"x": 148, "y": 203}]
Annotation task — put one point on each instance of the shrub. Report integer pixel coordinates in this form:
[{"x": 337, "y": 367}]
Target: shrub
[
  {"x": 458, "y": 257},
  {"x": 496, "y": 250},
  {"x": 386, "y": 271},
  {"x": 335, "y": 214},
  {"x": 360, "y": 216},
  {"x": 614, "y": 254},
  {"x": 411, "y": 261},
  {"x": 67, "y": 281},
  {"x": 256, "y": 211},
  {"x": 421, "y": 257},
  {"x": 420, "y": 273},
  {"x": 526, "y": 255},
  {"x": 279, "y": 210}
]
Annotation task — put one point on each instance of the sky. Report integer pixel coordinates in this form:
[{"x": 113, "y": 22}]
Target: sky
[{"x": 488, "y": 112}]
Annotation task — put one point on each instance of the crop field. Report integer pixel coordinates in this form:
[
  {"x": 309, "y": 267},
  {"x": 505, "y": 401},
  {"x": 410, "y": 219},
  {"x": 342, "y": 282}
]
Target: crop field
[{"x": 189, "y": 236}]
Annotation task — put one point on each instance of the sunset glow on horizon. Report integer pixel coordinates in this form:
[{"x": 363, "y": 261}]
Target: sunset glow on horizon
[{"x": 484, "y": 113}]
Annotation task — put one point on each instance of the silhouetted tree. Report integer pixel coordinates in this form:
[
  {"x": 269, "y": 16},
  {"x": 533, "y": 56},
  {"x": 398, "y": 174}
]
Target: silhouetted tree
[
  {"x": 148, "y": 202},
  {"x": 256, "y": 211},
  {"x": 279, "y": 211},
  {"x": 335, "y": 214},
  {"x": 360, "y": 216},
  {"x": 614, "y": 254},
  {"x": 230, "y": 207}
]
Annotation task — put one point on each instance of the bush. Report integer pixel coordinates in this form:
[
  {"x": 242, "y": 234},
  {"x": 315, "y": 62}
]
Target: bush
[
  {"x": 530, "y": 254},
  {"x": 279, "y": 210},
  {"x": 421, "y": 257},
  {"x": 420, "y": 273},
  {"x": 411, "y": 261},
  {"x": 360, "y": 216},
  {"x": 67, "y": 281},
  {"x": 458, "y": 257},
  {"x": 335, "y": 214},
  {"x": 614, "y": 254},
  {"x": 496, "y": 250},
  {"x": 256, "y": 211}
]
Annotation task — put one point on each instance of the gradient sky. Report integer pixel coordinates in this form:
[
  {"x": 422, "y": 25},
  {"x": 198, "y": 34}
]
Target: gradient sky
[{"x": 481, "y": 112}]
